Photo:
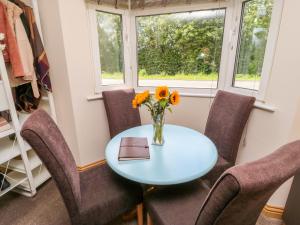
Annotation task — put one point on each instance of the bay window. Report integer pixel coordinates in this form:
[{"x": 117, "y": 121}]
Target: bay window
[{"x": 196, "y": 48}]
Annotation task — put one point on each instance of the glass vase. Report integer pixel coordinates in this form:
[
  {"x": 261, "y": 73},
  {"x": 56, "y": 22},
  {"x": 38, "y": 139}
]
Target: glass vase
[{"x": 158, "y": 126}]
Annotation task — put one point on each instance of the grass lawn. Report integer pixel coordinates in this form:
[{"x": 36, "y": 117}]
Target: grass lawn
[{"x": 181, "y": 76}]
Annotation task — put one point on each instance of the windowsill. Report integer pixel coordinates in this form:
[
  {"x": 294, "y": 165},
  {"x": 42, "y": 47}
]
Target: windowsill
[{"x": 258, "y": 104}]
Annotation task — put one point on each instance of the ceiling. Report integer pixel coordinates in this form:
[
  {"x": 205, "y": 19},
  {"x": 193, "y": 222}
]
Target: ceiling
[{"x": 140, "y": 4}]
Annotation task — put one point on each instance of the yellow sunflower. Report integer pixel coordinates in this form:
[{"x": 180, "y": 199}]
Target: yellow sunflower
[
  {"x": 134, "y": 103},
  {"x": 145, "y": 95},
  {"x": 174, "y": 98},
  {"x": 140, "y": 99},
  {"x": 161, "y": 92}
]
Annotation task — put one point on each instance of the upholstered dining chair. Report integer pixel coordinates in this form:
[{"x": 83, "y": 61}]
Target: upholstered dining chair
[
  {"x": 227, "y": 118},
  {"x": 237, "y": 198},
  {"x": 120, "y": 113},
  {"x": 93, "y": 197}
]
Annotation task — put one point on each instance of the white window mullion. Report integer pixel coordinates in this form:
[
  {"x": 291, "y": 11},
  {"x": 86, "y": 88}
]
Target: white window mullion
[
  {"x": 233, "y": 44},
  {"x": 133, "y": 46},
  {"x": 227, "y": 45},
  {"x": 127, "y": 49}
]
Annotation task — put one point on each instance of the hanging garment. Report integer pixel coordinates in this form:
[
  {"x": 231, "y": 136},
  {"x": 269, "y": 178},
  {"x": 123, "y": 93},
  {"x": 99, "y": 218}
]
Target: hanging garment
[
  {"x": 25, "y": 24},
  {"x": 40, "y": 57},
  {"x": 26, "y": 54},
  {"x": 11, "y": 52}
]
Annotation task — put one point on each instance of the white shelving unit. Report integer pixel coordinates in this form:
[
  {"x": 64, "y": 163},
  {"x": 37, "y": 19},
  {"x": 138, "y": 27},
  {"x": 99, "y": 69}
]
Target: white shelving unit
[
  {"x": 16, "y": 164},
  {"x": 15, "y": 180},
  {"x": 9, "y": 150},
  {"x": 24, "y": 170},
  {"x": 40, "y": 174},
  {"x": 17, "y": 148}
]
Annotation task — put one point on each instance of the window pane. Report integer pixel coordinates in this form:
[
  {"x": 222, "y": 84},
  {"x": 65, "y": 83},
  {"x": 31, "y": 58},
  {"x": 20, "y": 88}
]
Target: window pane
[
  {"x": 254, "y": 30},
  {"x": 180, "y": 49},
  {"x": 111, "y": 48}
]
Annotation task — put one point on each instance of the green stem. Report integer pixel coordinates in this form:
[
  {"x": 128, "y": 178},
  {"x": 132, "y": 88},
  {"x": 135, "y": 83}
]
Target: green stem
[{"x": 158, "y": 128}]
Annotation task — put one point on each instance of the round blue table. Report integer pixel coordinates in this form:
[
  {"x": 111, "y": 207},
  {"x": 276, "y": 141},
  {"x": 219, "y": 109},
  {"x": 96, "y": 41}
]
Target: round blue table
[{"x": 185, "y": 156}]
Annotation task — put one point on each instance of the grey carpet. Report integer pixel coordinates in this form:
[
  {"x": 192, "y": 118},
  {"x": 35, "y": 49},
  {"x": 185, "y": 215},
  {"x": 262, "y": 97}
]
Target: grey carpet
[{"x": 47, "y": 208}]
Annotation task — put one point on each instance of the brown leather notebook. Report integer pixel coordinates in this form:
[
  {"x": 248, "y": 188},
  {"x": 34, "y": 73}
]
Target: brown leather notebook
[
  {"x": 132, "y": 148},
  {"x": 134, "y": 142}
]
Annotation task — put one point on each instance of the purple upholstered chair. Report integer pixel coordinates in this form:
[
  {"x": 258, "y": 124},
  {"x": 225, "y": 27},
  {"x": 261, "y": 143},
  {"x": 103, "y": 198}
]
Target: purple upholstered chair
[
  {"x": 237, "y": 198},
  {"x": 226, "y": 121},
  {"x": 95, "y": 196},
  {"x": 120, "y": 113}
]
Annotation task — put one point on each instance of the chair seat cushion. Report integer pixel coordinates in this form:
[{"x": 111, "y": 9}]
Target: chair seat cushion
[
  {"x": 221, "y": 166},
  {"x": 106, "y": 195},
  {"x": 178, "y": 205}
]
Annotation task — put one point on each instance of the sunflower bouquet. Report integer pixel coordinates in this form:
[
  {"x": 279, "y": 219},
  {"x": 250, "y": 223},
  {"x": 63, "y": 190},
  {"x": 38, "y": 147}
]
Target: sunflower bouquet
[{"x": 163, "y": 99}]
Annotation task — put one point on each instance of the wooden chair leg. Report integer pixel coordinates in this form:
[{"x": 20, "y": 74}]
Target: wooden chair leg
[
  {"x": 140, "y": 214},
  {"x": 149, "y": 221}
]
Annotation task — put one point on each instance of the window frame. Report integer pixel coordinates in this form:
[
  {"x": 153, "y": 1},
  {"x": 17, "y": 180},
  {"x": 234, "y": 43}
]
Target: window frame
[
  {"x": 92, "y": 10},
  {"x": 231, "y": 33},
  {"x": 179, "y": 9},
  {"x": 269, "y": 51}
]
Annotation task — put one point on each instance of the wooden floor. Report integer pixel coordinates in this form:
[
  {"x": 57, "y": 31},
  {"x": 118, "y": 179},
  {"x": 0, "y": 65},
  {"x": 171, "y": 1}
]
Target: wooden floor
[{"x": 47, "y": 208}]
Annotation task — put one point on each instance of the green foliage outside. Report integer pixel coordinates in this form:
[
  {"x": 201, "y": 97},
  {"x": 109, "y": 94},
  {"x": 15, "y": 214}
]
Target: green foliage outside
[
  {"x": 110, "y": 42},
  {"x": 186, "y": 46},
  {"x": 254, "y": 34},
  {"x": 180, "y": 43}
]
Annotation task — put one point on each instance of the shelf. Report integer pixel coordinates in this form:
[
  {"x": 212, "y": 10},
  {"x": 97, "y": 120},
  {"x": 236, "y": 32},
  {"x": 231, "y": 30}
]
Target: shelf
[
  {"x": 15, "y": 179},
  {"x": 6, "y": 133},
  {"x": 23, "y": 117},
  {"x": 39, "y": 177},
  {"x": 18, "y": 164},
  {"x": 44, "y": 104},
  {"x": 8, "y": 151},
  {"x": 3, "y": 100}
]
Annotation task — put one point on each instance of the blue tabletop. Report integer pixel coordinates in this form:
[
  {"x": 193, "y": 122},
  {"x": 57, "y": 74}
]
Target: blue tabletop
[{"x": 185, "y": 156}]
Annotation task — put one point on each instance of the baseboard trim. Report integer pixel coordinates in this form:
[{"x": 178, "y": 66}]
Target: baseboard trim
[
  {"x": 91, "y": 165},
  {"x": 273, "y": 212}
]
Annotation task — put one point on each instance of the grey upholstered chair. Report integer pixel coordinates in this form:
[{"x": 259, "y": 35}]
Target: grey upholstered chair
[
  {"x": 237, "y": 198},
  {"x": 225, "y": 124},
  {"x": 120, "y": 113},
  {"x": 95, "y": 196}
]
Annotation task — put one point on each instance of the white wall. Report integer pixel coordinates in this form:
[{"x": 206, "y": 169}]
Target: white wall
[
  {"x": 54, "y": 44},
  {"x": 84, "y": 123}
]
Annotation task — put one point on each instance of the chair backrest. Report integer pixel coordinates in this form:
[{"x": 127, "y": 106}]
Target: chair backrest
[
  {"x": 240, "y": 194},
  {"x": 226, "y": 121},
  {"x": 120, "y": 113},
  {"x": 41, "y": 132}
]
